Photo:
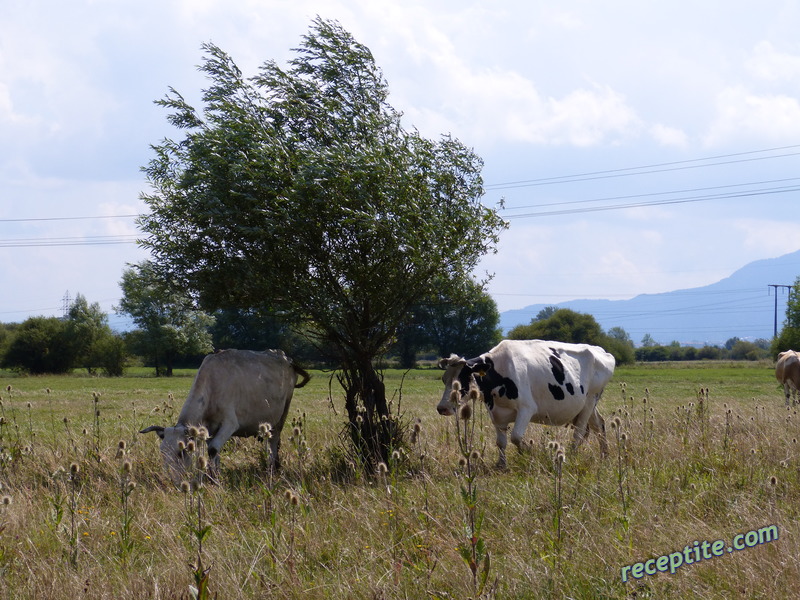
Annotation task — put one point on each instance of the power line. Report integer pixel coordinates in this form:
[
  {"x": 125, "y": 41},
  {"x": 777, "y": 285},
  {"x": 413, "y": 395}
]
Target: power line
[
  {"x": 101, "y": 240},
  {"x": 643, "y": 170},
  {"x": 723, "y": 196},
  {"x": 31, "y": 220},
  {"x": 650, "y": 194}
]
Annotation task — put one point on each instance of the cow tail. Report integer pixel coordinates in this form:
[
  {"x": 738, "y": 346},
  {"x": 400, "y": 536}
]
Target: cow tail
[{"x": 302, "y": 373}]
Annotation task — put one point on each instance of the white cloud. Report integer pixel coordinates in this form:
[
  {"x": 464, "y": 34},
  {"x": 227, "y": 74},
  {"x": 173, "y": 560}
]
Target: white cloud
[
  {"x": 669, "y": 136},
  {"x": 770, "y": 64},
  {"x": 744, "y": 115},
  {"x": 767, "y": 237}
]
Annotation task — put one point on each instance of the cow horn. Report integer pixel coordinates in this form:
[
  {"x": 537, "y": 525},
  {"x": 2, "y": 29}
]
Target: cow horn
[{"x": 157, "y": 428}]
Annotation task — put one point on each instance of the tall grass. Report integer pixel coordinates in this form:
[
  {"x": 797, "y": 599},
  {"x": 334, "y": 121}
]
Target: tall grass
[{"x": 556, "y": 527}]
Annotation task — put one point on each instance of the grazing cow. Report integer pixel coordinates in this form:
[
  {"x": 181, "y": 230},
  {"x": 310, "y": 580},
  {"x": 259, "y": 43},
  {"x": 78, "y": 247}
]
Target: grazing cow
[
  {"x": 787, "y": 372},
  {"x": 233, "y": 392},
  {"x": 553, "y": 383}
]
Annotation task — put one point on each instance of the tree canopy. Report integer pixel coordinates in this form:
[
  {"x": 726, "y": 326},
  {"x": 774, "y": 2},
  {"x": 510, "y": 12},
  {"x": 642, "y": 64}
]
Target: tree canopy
[
  {"x": 169, "y": 326},
  {"x": 567, "y": 325},
  {"x": 789, "y": 336},
  {"x": 300, "y": 189}
]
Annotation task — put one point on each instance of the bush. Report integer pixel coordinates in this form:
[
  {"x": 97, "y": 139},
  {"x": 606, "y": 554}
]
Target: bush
[
  {"x": 40, "y": 345},
  {"x": 109, "y": 354}
]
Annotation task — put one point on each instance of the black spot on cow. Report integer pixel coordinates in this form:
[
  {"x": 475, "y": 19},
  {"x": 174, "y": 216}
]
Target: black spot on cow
[
  {"x": 570, "y": 389},
  {"x": 582, "y": 392},
  {"x": 558, "y": 369},
  {"x": 488, "y": 380},
  {"x": 555, "y": 352},
  {"x": 557, "y": 391}
]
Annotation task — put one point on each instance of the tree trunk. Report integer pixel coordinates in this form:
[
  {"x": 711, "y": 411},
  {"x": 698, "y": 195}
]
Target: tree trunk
[{"x": 372, "y": 429}]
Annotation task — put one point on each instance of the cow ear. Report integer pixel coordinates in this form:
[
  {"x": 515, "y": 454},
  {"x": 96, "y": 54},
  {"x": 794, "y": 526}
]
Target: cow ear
[
  {"x": 157, "y": 428},
  {"x": 451, "y": 360},
  {"x": 478, "y": 367}
]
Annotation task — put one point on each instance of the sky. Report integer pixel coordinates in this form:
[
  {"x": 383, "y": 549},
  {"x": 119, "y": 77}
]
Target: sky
[{"x": 636, "y": 147}]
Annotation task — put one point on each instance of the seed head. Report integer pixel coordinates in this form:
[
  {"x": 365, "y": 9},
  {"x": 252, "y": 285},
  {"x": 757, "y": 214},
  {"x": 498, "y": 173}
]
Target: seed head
[
  {"x": 296, "y": 432},
  {"x": 560, "y": 457},
  {"x": 74, "y": 468},
  {"x": 193, "y": 432},
  {"x": 190, "y": 447},
  {"x": 773, "y": 481},
  {"x": 465, "y": 412},
  {"x": 382, "y": 468},
  {"x": 294, "y": 500},
  {"x": 202, "y": 434},
  {"x": 456, "y": 386},
  {"x": 417, "y": 427},
  {"x": 454, "y": 396},
  {"x": 475, "y": 455},
  {"x": 185, "y": 487},
  {"x": 122, "y": 445},
  {"x": 395, "y": 455},
  {"x": 462, "y": 462},
  {"x": 181, "y": 445},
  {"x": 202, "y": 463},
  {"x": 127, "y": 467},
  {"x": 473, "y": 393},
  {"x": 131, "y": 486},
  {"x": 6, "y": 501}
]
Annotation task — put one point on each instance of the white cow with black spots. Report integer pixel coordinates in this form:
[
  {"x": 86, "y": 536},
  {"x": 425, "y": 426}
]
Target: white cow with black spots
[{"x": 523, "y": 381}]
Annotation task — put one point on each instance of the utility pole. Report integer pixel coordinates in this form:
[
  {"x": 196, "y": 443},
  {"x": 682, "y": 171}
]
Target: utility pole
[
  {"x": 776, "y": 286},
  {"x": 66, "y": 302}
]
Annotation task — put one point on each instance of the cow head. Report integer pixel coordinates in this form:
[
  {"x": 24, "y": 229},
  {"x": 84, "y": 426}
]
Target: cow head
[
  {"x": 174, "y": 444},
  {"x": 459, "y": 376},
  {"x": 462, "y": 375}
]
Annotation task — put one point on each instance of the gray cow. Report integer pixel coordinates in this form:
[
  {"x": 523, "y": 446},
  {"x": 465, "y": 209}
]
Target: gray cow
[{"x": 233, "y": 392}]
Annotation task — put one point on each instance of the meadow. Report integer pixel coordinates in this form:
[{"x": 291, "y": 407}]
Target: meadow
[{"x": 699, "y": 452}]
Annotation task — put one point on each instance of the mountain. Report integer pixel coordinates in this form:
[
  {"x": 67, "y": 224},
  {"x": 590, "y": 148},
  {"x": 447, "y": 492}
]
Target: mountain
[{"x": 742, "y": 305}]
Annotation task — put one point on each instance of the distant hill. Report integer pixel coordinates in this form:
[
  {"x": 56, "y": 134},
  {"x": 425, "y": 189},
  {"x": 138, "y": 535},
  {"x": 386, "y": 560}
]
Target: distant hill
[{"x": 741, "y": 305}]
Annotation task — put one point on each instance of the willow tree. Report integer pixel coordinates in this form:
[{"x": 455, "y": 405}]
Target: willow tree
[{"x": 298, "y": 188}]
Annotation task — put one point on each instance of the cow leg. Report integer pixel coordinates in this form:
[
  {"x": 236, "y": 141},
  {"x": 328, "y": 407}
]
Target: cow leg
[
  {"x": 598, "y": 425},
  {"x": 274, "y": 447},
  {"x": 581, "y": 424},
  {"x": 520, "y": 426},
  {"x": 501, "y": 445},
  {"x": 215, "y": 444}
]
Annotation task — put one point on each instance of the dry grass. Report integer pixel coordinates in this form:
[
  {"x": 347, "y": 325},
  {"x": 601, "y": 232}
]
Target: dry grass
[{"x": 323, "y": 530}]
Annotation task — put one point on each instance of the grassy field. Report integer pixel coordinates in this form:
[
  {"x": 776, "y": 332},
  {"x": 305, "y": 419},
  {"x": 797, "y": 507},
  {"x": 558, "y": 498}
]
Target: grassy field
[{"x": 87, "y": 511}]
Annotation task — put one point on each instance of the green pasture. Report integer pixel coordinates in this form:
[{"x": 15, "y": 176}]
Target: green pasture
[{"x": 684, "y": 466}]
